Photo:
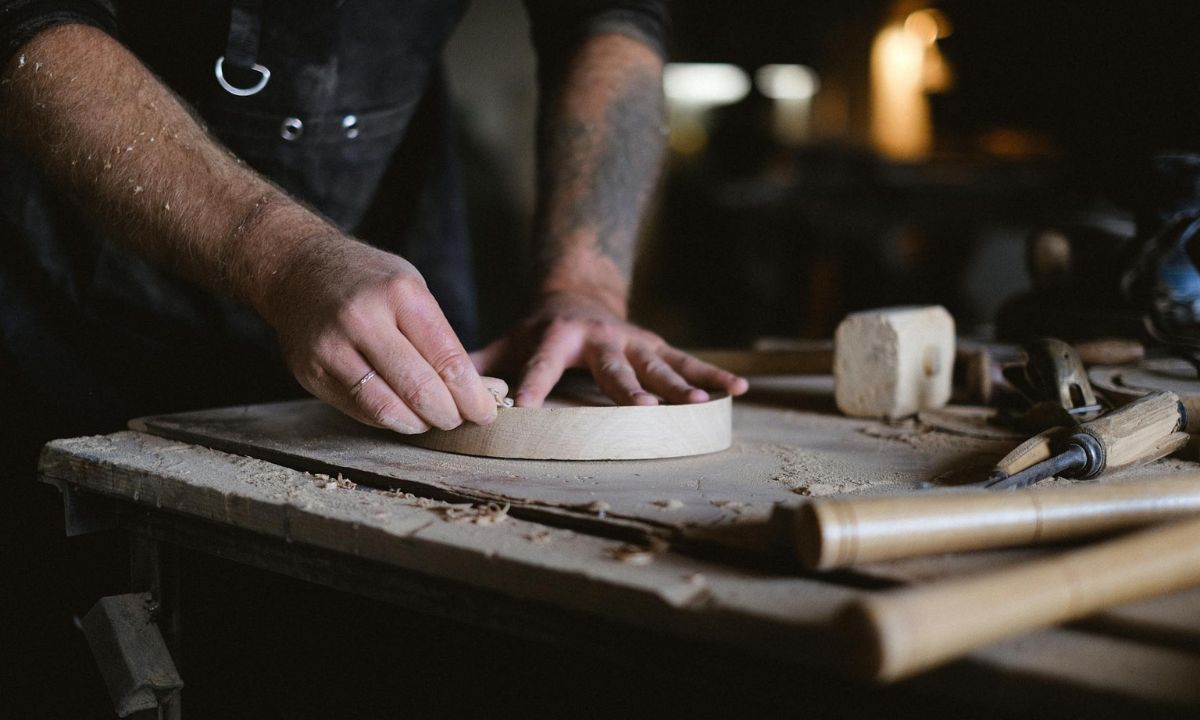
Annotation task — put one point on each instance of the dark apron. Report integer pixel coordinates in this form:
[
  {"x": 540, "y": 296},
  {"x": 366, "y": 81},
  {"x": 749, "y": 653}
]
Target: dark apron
[{"x": 354, "y": 121}]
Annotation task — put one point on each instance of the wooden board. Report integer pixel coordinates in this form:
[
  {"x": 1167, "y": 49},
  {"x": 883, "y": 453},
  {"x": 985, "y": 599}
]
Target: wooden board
[
  {"x": 588, "y": 426},
  {"x": 788, "y": 443},
  {"x": 760, "y": 611}
]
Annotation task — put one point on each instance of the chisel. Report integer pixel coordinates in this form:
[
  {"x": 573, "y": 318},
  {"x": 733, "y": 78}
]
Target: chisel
[{"x": 1142, "y": 431}]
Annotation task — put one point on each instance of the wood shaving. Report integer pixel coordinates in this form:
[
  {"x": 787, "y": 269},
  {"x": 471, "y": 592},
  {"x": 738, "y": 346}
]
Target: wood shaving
[
  {"x": 596, "y": 506},
  {"x": 731, "y": 505},
  {"x": 671, "y": 504},
  {"x": 326, "y": 482},
  {"x": 411, "y": 499},
  {"x": 632, "y": 554},
  {"x": 489, "y": 514},
  {"x": 539, "y": 537}
]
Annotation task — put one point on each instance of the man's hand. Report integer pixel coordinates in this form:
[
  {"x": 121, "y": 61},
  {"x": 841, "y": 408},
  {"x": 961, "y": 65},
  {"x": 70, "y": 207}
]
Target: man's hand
[
  {"x": 631, "y": 365},
  {"x": 107, "y": 130},
  {"x": 343, "y": 309}
]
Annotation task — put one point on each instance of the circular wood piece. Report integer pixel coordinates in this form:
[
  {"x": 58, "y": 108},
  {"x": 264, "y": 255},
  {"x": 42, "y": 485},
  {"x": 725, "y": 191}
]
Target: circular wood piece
[
  {"x": 1124, "y": 384},
  {"x": 581, "y": 429}
]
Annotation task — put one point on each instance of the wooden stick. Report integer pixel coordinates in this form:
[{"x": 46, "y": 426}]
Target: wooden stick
[
  {"x": 814, "y": 360},
  {"x": 837, "y": 532},
  {"x": 898, "y": 633}
]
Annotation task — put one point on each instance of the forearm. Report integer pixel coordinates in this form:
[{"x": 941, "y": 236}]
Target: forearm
[
  {"x": 601, "y": 142},
  {"x": 108, "y": 132}
]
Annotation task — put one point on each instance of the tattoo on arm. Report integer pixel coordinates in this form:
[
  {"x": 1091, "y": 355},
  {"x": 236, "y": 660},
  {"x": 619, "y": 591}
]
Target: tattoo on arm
[{"x": 598, "y": 168}]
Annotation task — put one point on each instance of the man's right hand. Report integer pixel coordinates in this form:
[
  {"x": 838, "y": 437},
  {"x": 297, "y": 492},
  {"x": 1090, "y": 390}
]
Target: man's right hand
[
  {"x": 343, "y": 309},
  {"x": 105, "y": 129}
]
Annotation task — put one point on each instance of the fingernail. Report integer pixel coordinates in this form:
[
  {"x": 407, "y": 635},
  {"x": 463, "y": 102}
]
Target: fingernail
[
  {"x": 696, "y": 395},
  {"x": 644, "y": 398},
  {"x": 489, "y": 418},
  {"x": 521, "y": 399},
  {"x": 404, "y": 428}
]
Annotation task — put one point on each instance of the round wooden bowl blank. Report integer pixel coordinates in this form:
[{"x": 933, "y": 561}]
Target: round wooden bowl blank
[{"x": 567, "y": 429}]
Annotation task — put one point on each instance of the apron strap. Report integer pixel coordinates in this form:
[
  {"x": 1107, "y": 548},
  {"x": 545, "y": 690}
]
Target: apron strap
[{"x": 241, "y": 48}]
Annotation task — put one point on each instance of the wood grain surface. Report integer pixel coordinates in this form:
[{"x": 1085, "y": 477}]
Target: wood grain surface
[
  {"x": 899, "y": 633},
  {"x": 838, "y": 532},
  {"x": 586, "y": 426}
]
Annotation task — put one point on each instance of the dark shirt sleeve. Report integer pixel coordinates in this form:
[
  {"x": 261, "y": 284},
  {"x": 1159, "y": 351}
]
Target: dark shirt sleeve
[
  {"x": 558, "y": 26},
  {"x": 20, "y": 20}
]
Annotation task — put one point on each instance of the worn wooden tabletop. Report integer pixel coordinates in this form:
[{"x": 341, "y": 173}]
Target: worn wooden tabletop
[{"x": 682, "y": 546}]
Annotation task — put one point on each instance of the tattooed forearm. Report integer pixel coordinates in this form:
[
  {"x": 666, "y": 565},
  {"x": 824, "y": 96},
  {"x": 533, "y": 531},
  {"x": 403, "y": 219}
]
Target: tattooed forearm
[{"x": 602, "y": 141}]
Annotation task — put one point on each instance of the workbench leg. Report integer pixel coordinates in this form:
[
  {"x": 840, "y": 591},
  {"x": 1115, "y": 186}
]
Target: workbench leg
[{"x": 154, "y": 568}]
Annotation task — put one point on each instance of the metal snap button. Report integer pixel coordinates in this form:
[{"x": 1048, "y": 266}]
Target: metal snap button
[
  {"x": 291, "y": 129},
  {"x": 350, "y": 125}
]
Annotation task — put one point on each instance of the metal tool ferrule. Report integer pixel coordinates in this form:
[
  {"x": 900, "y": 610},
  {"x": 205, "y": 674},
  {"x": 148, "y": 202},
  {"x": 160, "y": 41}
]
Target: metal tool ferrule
[{"x": 1093, "y": 454}]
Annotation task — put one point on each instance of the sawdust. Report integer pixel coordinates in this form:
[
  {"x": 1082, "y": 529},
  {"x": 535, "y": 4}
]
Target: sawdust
[
  {"x": 485, "y": 514},
  {"x": 807, "y": 471},
  {"x": 732, "y": 505},
  {"x": 923, "y": 437},
  {"x": 326, "y": 482},
  {"x": 670, "y": 504},
  {"x": 539, "y": 537},
  {"x": 632, "y": 554}
]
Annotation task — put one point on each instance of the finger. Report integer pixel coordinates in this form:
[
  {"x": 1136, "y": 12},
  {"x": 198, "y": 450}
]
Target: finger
[
  {"x": 496, "y": 387},
  {"x": 411, "y": 377},
  {"x": 660, "y": 378},
  {"x": 557, "y": 350},
  {"x": 703, "y": 374},
  {"x": 616, "y": 377},
  {"x": 373, "y": 403},
  {"x": 421, "y": 320}
]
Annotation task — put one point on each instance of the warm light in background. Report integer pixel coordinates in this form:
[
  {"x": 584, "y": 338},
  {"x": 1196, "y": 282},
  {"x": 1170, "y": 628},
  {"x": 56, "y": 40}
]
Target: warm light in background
[
  {"x": 705, "y": 84},
  {"x": 906, "y": 64},
  {"x": 929, "y": 24}
]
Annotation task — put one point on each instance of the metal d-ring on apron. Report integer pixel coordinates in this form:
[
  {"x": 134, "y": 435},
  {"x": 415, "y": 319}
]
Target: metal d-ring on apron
[{"x": 241, "y": 48}]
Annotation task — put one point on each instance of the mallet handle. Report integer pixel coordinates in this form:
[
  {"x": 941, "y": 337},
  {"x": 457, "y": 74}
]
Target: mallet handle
[
  {"x": 898, "y": 633},
  {"x": 840, "y": 531}
]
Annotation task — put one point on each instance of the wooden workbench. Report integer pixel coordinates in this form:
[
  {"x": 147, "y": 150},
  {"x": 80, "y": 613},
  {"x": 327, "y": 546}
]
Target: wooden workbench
[{"x": 621, "y": 557}]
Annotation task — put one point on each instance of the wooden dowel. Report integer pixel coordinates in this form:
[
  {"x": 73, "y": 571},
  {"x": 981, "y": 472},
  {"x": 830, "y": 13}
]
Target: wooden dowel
[
  {"x": 842, "y": 531},
  {"x": 902, "y": 632},
  {"x": 815, "y": 360}
]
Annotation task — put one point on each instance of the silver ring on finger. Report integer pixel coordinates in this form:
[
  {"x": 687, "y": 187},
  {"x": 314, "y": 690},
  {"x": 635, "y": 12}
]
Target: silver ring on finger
[{"x": 357, "y": 387}]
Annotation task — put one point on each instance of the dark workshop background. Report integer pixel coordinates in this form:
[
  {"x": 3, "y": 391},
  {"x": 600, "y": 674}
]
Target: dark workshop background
[{"x": 902, "y": 179}]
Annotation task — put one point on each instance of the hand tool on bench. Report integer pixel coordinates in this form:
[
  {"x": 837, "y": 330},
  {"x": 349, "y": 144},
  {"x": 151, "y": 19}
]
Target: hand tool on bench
[
  {"x": 1145, "y": 430},
  {"x": 836, "y": 532},
  {"x": 1053, "y": 386},
  {"x": 894, "y": 634}
]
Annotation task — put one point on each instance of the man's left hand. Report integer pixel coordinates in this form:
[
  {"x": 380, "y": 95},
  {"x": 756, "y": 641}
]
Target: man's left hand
[{"x": 631, "y": 365}]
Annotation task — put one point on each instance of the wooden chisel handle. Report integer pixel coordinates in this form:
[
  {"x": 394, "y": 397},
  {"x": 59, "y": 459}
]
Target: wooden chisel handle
[
  {"x": 838, "y": 532},
  {"x": 1134, "y": 433},
  {"x": 898, "y": 633}
]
